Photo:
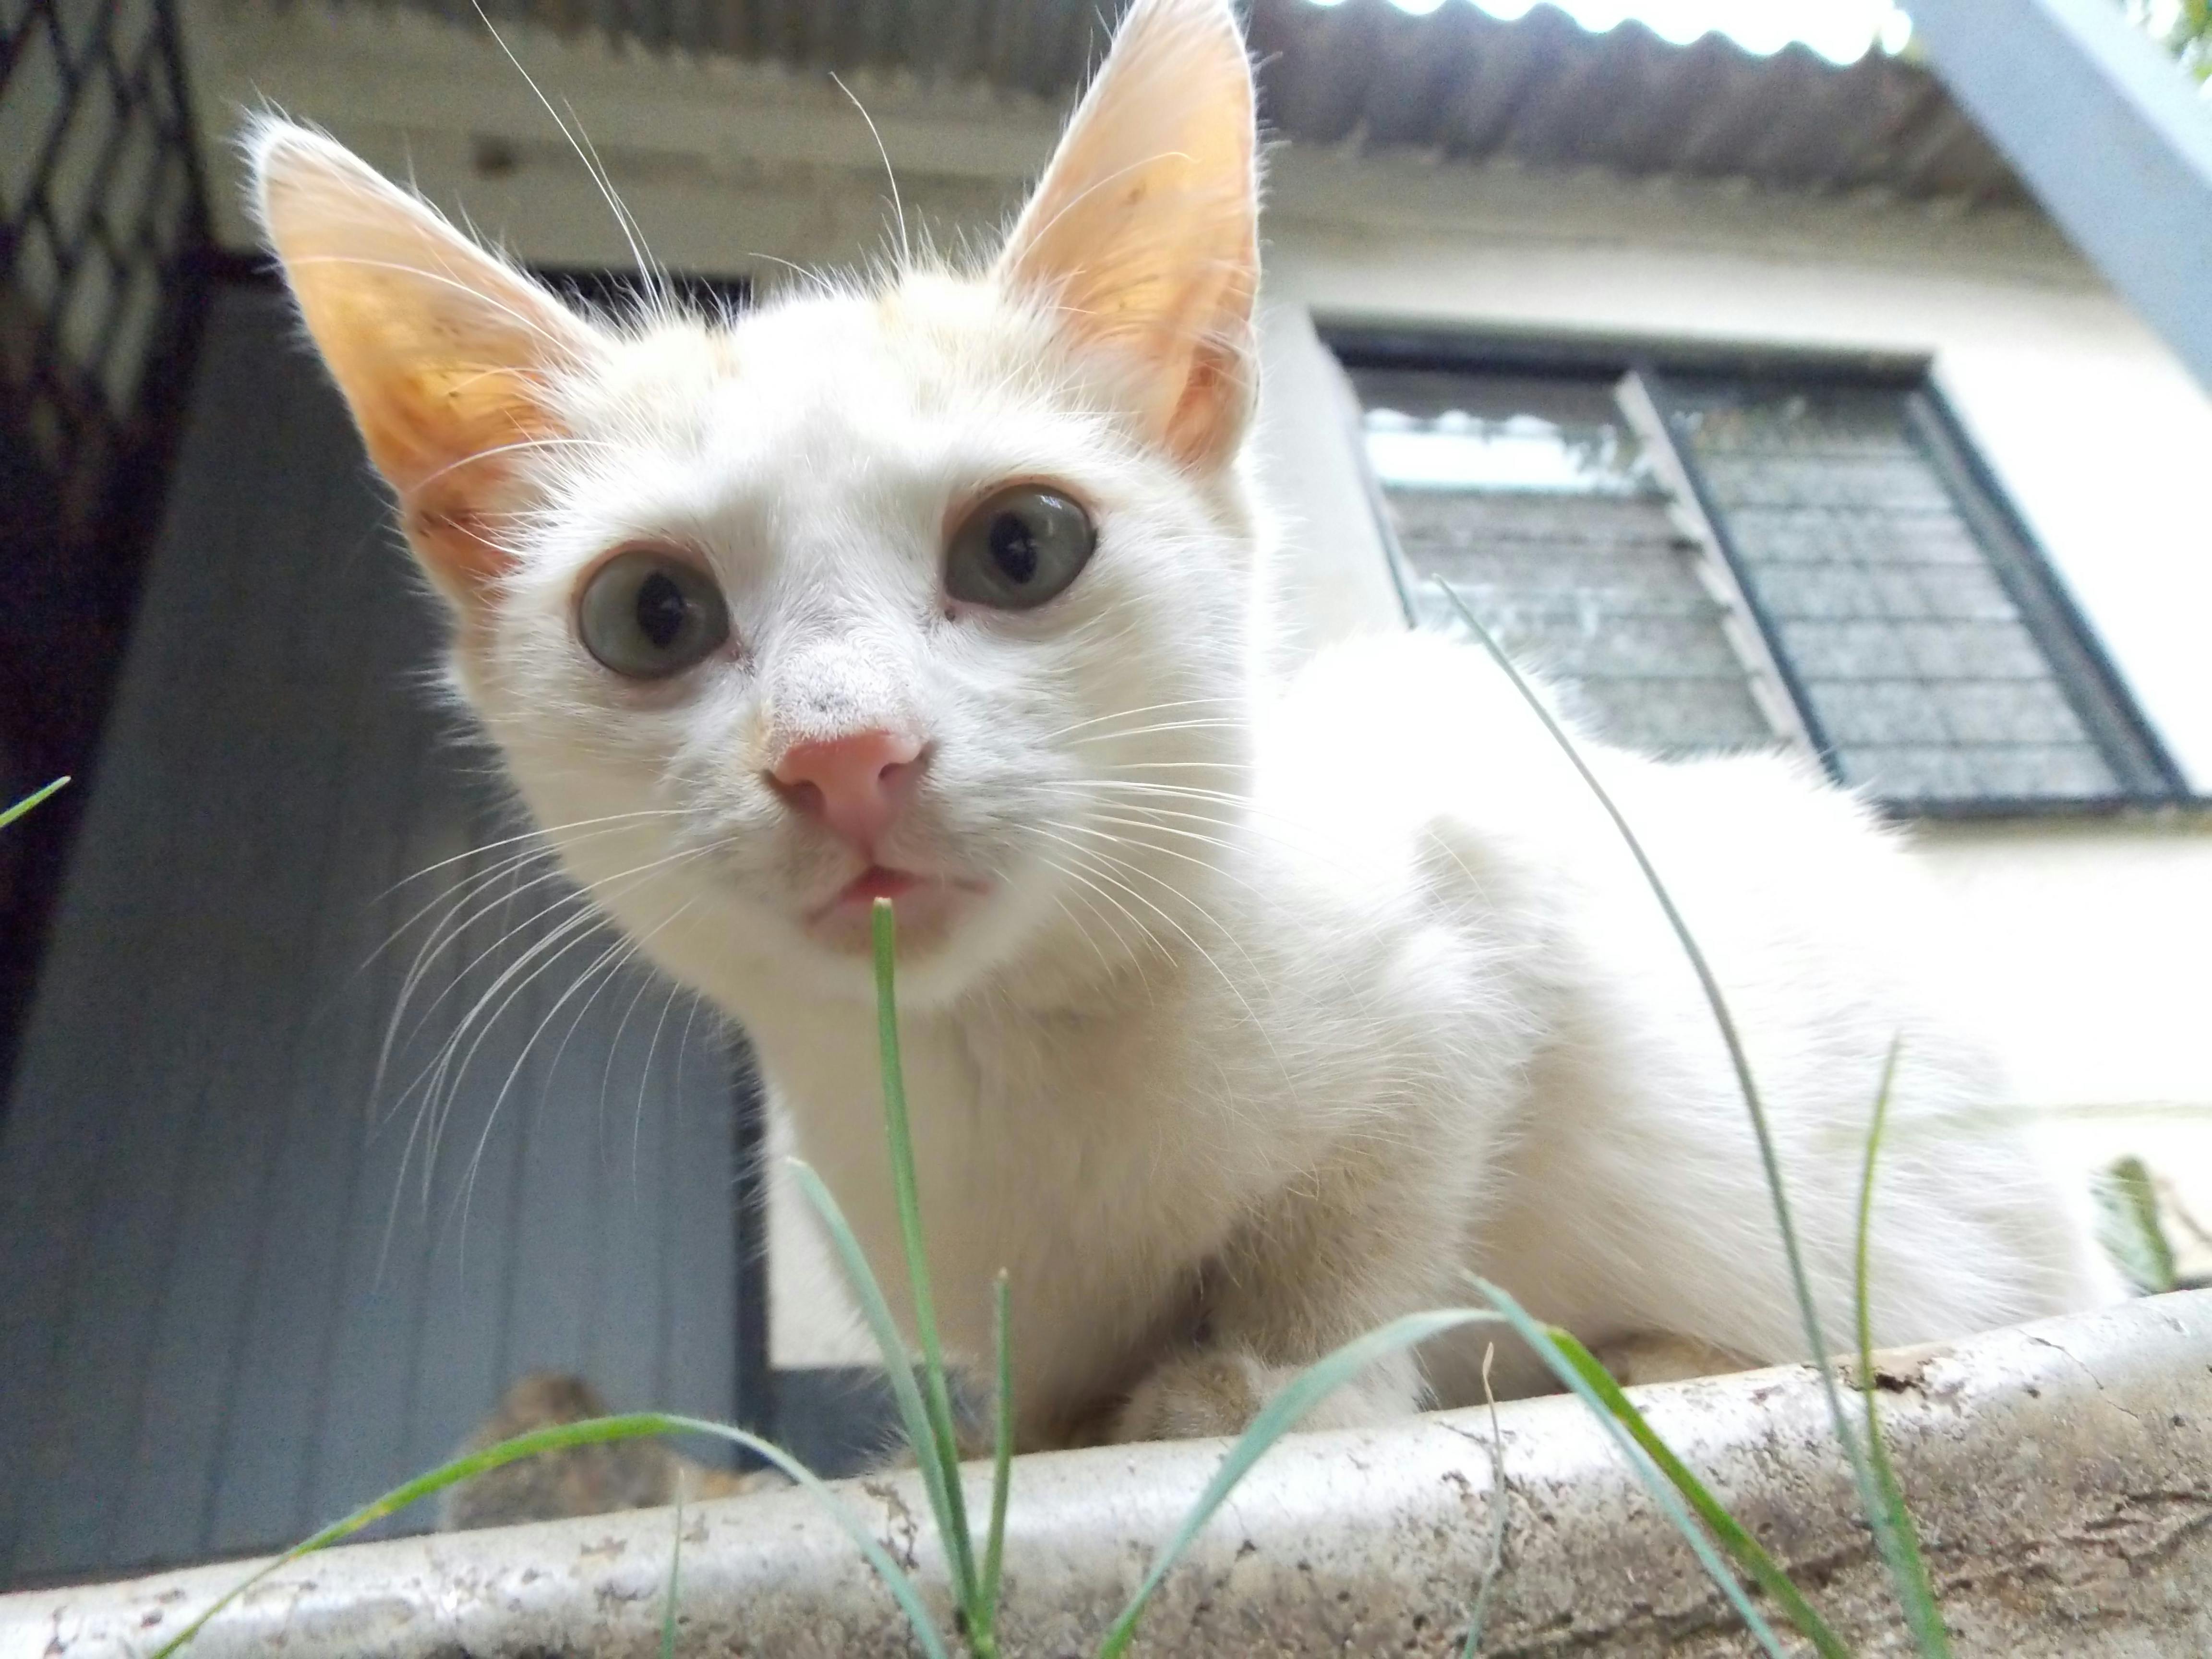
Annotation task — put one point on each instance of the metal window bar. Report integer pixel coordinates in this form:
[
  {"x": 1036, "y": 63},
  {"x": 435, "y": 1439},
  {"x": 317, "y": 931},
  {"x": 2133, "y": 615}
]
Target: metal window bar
[
  {"x": 1774, "y": 684},
  {"x": 1647, "y": 389}
]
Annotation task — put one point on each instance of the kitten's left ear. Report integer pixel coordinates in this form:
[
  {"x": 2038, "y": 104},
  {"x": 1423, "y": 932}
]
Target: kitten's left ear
[{"x": 1144, "y": 231}]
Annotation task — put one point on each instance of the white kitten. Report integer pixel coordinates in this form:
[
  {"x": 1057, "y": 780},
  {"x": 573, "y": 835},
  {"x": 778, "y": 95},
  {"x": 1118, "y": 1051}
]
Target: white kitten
[{"x": 1236, "y": 1021}]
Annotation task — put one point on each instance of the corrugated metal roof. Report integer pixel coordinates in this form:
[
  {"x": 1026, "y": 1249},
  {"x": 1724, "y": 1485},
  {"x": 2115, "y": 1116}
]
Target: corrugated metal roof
[
  {"x": 1549, "y": 93},
  {"x": 1457, "y": 82}
]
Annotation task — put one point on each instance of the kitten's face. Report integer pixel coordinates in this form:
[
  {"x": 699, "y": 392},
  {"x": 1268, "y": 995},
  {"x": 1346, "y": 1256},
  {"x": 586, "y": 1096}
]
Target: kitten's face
[
  {"x": 934, "y": 592},
  {"x": 836, "y": 470}
]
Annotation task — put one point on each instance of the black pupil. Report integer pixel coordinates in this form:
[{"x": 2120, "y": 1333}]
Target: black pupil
[
  {"x": 1013, "y": 547},
  {"x": 661, "y": 608}
]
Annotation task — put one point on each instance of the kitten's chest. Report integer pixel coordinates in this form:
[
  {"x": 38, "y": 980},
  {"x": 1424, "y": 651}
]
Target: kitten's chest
[{"x": 1087, "y": 1158}]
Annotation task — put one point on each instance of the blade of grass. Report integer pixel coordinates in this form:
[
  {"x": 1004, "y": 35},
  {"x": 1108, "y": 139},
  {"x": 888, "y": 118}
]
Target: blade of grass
[
  {"x": 1540, "y": 1338},
  {"x": 898, "y": 1364},
  {"x": 1870, "y": 1497},
  {"x": 675, "y": 1579},
  {"x": 594, "y": 1431},
  {"x": 1479, "y": 1614},
  {"x": 9, "y": 814},
  {"x": 1915, "y": 1589},
  {"x": 1279, "y": 1415},
  {"x": 959, "y": 1542},
  {"x": 2129, "y": 1228},
  {"x": 1733, "y": 1534},
  {"x": 1002, "y": 1451}
]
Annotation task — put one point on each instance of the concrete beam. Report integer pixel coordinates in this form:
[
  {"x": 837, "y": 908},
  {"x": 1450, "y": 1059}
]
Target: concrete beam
[
  {"x": 2062, "y": 1473},
  {"x": 2108, "y": 134}
]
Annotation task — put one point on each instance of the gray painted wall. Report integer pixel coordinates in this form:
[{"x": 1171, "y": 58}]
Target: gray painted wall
[{"x": 230, "y": 1307}]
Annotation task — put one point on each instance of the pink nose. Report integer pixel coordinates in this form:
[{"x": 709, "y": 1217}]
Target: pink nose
[{"x": 854, "y": 785}]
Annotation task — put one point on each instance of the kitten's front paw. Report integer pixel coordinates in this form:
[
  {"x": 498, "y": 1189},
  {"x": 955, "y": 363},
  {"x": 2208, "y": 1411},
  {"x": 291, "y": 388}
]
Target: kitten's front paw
[
  {"x": 699, "y": 1481},
  {"x": 1195, "y": 1396},
  {"x": 1654, "y": 1357},
  {"x": 1214, "y": 1392}
]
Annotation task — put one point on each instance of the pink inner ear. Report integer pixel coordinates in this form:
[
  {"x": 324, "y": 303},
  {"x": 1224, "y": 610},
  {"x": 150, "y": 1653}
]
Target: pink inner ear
[
  {"x": 1143, "y": 230},
  {"x": 1209, "y": 418},
  {"x": 448, "y": 443},
  {"x": 459, "y": 549},
  {"x": 444, "y": 353}
]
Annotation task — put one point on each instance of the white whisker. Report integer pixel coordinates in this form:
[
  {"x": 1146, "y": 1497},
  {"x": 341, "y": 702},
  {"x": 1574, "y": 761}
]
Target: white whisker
[
  {"x": 1234, "y": 990},
  {"x": 1129, "y": 714},
  {"x": 630, "y": 232},
  {"x": 898, "y": 208},
  {"x": 1163, "y": 725},
  {"x": 441, "y": 1077}
]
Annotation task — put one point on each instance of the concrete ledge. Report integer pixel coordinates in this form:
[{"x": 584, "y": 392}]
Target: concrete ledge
[{"x": 2062, "y": 1473}]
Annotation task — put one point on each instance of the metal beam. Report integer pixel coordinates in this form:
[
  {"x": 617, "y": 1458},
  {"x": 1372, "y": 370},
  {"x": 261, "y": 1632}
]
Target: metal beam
[{"x": 2105, "y": 130}]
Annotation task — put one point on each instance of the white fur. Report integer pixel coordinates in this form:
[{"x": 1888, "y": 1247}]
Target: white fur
[{"x": 1285, "y": 1006}]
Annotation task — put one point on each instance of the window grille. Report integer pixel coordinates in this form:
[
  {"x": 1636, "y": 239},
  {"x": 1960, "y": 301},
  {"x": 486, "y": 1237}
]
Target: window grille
[
  {"x": 103, "y": 234},
  {"x": 1539, "y": 503},
  {"x": 1707, "y": 562},
  {"x": 1933, "y": 650},
  {"x": 102, "y": 214}
]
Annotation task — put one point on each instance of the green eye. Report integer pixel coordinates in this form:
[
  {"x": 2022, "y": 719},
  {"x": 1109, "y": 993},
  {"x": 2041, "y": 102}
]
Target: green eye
[
  {"x": 1018, "y": 549},
  {"x": 647, "y": 614}
]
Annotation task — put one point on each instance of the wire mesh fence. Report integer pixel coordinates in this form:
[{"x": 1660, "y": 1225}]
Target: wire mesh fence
[
  {"x": 104, "y": 213},
  {"x": 103, "y": 261}
]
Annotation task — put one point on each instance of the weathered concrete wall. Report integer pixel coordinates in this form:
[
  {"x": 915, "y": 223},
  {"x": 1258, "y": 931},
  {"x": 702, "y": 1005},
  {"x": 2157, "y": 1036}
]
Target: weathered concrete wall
[{"x": 2062, "y": 1473}]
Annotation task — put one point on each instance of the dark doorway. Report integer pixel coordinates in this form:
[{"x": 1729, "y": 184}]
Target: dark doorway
[{"x": 240, "y": 1291}]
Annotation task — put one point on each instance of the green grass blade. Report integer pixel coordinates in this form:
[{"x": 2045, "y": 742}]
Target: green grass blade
[
  {"x": 2129, "y": 1228},
  {"x": 1732, "y": 1533},
  {"x": 1305, "y": 1391},
  {"x": 1862, "y": 1276},
  {"x": 9, "y": 814},
  {"x": 594, "y": 1431},
  {"x": 675, "y": 1581},
  {"x": 1861, "y": 1470},
  {"x": 1539, "y": 1337},
  {"x": 1002, "y": 1451},
  {"x": 898, "y": 1364},
  {"x": 938, "y": 1396},
  {"x": 1915, "y": 1589}
]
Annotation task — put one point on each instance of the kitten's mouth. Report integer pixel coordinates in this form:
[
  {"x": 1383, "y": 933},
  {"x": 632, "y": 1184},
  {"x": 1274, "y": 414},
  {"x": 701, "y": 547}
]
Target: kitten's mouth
[
  {"x": 874, "y": 882},
  {"x": 926, "y": 904}
]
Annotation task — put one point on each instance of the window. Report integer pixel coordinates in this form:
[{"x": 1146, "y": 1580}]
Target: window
[{"x": 1703, "y": 561}]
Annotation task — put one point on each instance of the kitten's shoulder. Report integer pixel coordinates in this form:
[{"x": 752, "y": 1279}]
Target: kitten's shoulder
[{"x": 1389, "y": 724}]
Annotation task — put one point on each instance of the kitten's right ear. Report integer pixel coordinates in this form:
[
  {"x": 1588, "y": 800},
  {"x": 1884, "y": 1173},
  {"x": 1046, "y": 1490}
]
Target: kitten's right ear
[{"x": 448, "y": 356}]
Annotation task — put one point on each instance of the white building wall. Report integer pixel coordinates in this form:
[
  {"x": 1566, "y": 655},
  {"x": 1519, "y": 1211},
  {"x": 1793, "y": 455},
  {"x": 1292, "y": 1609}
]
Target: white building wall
[
  {"x": 2092, "y": 937},
  {"x": 2086, "y": 420},
  {"x": 2095, "y": 932}
]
